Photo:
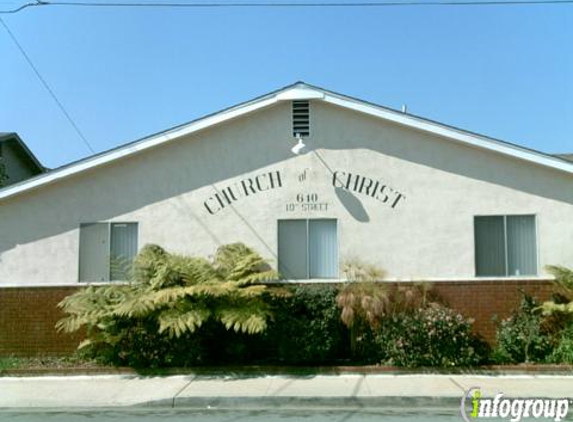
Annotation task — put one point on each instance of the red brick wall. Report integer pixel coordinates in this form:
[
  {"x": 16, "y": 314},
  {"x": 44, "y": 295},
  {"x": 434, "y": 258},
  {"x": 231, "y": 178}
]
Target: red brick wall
[
  {"x": 27, "y": 319},
  {"x": 28, "y": 314},
  {"x": 482, "y": 300}
]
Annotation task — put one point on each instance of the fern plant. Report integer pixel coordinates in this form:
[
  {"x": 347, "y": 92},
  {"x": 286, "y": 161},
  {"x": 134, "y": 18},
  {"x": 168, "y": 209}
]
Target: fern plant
[
  {"x": 174, "y": 295},
  {"x": 564, "y": 289}
]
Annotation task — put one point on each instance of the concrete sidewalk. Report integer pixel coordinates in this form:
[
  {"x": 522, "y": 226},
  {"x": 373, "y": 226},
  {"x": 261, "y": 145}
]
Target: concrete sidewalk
[{"x": 270, "y": 391}]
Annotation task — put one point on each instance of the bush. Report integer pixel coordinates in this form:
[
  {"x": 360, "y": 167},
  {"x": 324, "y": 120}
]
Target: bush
[
  {"x": 563, "y": 351},
  {"x": 307, "y": 328},
  {"x": 153, "y": 320},
  {"x": 523, "y": 337},
  {"x": 431, "y": 336}
]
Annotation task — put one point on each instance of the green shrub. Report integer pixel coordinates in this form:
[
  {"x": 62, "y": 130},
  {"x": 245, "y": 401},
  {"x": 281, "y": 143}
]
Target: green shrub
[
  {"x": 365, "y": 303},
  {"x": 432, "y": 336},
  {"x": 563, "y": 351},
  {"x": 307, "y": 328},
  {"x": 153, "y": 320},
  {"x": 523, "y": 337}
]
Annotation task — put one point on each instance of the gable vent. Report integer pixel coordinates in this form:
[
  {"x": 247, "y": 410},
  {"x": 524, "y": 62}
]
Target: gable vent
[{"x": 300, "y": 118}]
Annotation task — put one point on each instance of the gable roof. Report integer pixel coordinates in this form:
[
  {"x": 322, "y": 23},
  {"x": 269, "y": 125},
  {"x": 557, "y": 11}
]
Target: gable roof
[
  {"x": 296, "y": 91},
  {"x": 14, "y": 137}
]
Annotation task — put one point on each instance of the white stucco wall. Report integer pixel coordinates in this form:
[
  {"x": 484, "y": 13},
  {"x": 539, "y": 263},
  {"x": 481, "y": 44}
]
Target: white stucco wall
[{"x": 428, "y": 234}]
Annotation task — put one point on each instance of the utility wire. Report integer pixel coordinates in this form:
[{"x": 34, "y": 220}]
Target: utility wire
[
  {"x": 50, "y": 91},
  {"x": 289, "y": 4}
]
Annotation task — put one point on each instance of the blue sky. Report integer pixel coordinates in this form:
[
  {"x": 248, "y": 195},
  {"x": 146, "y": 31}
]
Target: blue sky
[{"x": 505, "y": 72}]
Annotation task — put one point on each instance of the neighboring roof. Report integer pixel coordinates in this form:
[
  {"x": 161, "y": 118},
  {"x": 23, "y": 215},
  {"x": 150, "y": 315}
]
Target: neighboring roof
[
  {"x": 568, "y": 157},
  {"x": 13, "y": 136},
  {"x": 296, "y": 91}
]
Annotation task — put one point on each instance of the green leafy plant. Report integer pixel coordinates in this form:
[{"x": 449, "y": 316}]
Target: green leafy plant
[
  {"x": 564, "y": 291},
  {"x": 171, "y": 297},
  {"x": 306, "y": 328},
  {"x": 429, "y": 336},
  {"x": 366, "y": 302},
  {"x": 563, "y": 351},
  {"x": 523, "y": 337}
]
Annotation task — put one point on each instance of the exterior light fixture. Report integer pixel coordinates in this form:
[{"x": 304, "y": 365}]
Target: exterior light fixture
[{"x": 300, "y": 147}]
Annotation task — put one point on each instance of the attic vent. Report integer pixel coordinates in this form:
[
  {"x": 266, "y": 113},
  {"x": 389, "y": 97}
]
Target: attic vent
[{"x": 300, "y": 118}]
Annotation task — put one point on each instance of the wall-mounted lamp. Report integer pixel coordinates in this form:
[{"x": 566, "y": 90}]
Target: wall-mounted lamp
[{"x": 300, "y": 147}]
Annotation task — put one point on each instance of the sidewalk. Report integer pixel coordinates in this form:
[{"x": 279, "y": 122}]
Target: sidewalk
[{"x": 271, "y": 391}]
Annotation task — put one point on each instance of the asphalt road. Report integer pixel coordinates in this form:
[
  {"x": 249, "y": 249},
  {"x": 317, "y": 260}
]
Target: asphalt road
[{"x": 213, "y": 415}]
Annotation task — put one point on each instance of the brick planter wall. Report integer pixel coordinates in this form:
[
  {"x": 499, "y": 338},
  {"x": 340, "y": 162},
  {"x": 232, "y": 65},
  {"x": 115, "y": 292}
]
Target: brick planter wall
[
  {"x": 28, "y": 314},
  {"x": 482, "y": 300},
  {"x": 27, "y": 319}
]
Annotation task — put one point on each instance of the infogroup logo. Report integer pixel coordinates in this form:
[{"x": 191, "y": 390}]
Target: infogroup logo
[{"x": 475, "y": 407}]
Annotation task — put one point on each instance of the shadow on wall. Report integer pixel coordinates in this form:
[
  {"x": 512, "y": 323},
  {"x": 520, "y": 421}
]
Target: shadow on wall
[
  {"x": 359, "y": 131},
  {"x": 198, "y": 161},
  {"x": 246, "y": 145},
  {"x": 352, "y": 204}
]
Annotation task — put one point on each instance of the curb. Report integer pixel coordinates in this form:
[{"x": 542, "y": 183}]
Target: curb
[{"x": 297, "y": 402}]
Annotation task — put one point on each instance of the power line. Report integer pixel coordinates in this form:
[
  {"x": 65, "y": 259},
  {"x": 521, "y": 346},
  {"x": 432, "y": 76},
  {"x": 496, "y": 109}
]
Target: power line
[
  {"x": 50, "y": 91},
  {"x": 290, "y": 4}
]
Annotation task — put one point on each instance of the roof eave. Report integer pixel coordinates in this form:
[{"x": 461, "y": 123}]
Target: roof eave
[
  {"x": 297, "y": 91},
  {"x": 24, "y": 147}
]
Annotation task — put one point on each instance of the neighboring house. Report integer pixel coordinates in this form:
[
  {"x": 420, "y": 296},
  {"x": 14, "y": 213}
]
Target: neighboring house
[
  {"x": 423, "y": 200},
  {"x": 568, "y": 157},
  {"x": 19, "y": 162}
]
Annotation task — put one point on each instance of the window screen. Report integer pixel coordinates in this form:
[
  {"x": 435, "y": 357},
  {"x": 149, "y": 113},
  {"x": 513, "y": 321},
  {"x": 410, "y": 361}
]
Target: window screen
[
  {"x": 107, "y": 251},
  {"x": 308, "y": 248},
  {"x": 323, "y": 249},
  {"x": 94, "y": 252},
  {"x": 521, "y": 245},
  {"x": 505, "y": 245},
  {"x": 123, "y": 249}
]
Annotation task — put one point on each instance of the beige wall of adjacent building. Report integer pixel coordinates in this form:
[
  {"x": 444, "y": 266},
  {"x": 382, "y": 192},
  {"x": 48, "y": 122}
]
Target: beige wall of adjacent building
[{"x": 428, "y": 234}]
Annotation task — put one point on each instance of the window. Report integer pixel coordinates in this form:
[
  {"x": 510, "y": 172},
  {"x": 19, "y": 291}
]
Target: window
[
  {"x": 107, "y": 251},
  {"x": 505, "y": 245},
  {"x": 308, "y": 248}
]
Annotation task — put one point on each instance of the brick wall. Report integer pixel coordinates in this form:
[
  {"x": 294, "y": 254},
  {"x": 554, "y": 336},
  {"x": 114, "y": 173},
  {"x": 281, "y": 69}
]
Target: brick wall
[
  {"x": 482, "y": 300},
  {"x": 28, "y": 315},
  {"x": 27, "y": 319}
]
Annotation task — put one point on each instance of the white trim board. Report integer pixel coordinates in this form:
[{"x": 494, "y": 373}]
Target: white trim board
[
  {"x": 436, "y": 280},
  {"x": 297, "y": 91}
]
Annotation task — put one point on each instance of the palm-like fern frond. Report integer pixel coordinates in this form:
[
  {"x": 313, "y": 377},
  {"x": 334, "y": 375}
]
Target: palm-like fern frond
[
  {"x": 250, "y": 318},
  {"x": 258, "y": 277},
  {"x": 178, "y": 293},
  {"x": 227, "y": 257},
  {"x": 563, "y": 280},
  {"x": 135, "y": 306},
  {"x": 177, "y": 323},
  {"x": 551, "y": 307},
  {"x": 564, "y": 287}
]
